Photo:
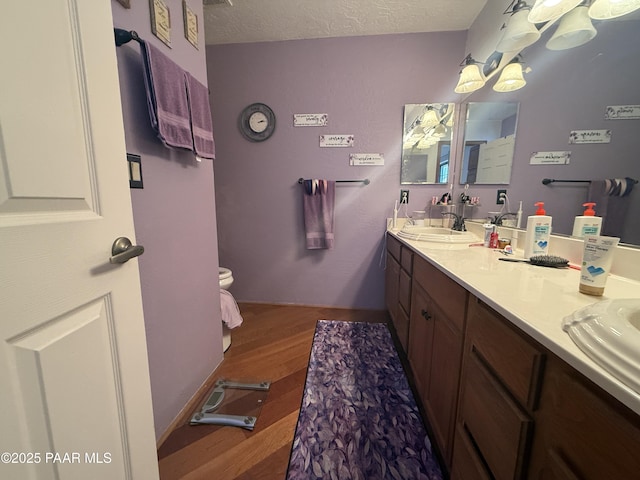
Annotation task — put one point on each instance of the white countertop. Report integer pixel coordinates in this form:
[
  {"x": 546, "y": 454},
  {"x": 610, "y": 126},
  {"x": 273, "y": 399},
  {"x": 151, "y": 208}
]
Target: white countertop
[{"x": 535, "y": 299}]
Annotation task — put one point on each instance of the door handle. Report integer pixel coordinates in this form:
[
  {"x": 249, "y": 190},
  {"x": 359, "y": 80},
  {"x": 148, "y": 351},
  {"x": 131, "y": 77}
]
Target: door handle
[{"x": 122, "y": 250}]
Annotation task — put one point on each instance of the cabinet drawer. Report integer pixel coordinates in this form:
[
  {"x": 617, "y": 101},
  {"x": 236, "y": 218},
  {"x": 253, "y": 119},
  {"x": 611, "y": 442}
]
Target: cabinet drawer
[
  {"x": 404, "y": 291},
  {"x": 406, "y": 259},
  {"x": 512, "y": 358},
  {"x": 497, "y": 425},
  {"x": 449, "y": 296},
  {"x": 394, "y": 246}
]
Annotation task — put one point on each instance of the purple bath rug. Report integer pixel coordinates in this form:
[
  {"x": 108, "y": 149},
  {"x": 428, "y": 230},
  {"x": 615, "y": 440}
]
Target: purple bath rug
[{"x": 359, "y": 419}]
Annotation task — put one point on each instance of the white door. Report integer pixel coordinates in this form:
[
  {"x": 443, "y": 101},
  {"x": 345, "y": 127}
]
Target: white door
[{"x": 75, "y": 399}]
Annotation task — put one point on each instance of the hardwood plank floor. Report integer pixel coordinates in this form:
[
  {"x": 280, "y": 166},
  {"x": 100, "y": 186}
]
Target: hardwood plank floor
[{"x": 273, "y": 343}]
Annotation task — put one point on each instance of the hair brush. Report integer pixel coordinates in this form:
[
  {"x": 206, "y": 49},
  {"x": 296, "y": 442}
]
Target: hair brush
[{"x": 541, "y": 261}]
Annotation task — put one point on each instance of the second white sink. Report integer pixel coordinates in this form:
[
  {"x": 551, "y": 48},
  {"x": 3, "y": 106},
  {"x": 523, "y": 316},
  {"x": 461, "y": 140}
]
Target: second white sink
[{"x": 609, "y": 333}]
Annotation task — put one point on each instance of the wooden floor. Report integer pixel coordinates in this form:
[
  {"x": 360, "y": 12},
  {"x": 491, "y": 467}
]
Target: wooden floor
[{"x": 273, "y": 343}]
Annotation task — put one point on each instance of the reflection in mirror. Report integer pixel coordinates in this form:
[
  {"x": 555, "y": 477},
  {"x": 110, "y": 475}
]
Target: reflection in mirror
[
  {"x": 567, "y": 91},
  {"x": 426, "y": 143},
  {"x": 489, "y": 139}
]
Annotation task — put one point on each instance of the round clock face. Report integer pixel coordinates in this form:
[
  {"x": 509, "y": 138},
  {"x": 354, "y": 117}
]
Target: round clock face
[{"x": 257, "y": 122}]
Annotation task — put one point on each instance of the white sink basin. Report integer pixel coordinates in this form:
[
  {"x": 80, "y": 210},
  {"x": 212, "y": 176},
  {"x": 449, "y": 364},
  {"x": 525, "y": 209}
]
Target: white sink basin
[
  {"x": 609, "y": 333},
  {"x": 436, "y": 235}
]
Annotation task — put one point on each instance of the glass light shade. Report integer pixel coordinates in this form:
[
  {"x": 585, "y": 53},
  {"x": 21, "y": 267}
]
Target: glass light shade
[
  {"x": 575, "y": 29},
  {"x": 440, "y": 131},
  {"x": 545, "y": 10},
  {"x": 606, "y": 9},
  {"x": 429, "y": 118},
  {"x": 519, "y": 33},
  {"x": 470, "y": 79},
  {"x": 511, "y": 78}
]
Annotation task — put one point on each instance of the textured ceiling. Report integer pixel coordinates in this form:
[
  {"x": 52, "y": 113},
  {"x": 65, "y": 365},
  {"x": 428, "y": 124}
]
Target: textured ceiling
[{"x": 269, "y": 20}]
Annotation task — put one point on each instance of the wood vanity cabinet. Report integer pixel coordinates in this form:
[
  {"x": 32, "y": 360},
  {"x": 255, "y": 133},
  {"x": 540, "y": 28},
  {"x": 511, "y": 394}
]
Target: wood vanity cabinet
[
  {"x": 500, "y": 384},
  {"x": 499, "y": 404},
  {"x": 581, "y": 431},
  {"x": 398, "y": 287},
  {"x": 435, "y": 347}
]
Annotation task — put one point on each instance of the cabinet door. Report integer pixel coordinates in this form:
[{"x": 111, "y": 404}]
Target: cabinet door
[
  {"x": 420, "y": 340},
  {"x": 581, "y": 431},
  {"x": 391, "y": 278},
  {"x": 497, "y": 425},
  {"x": 404, "y": 290},
  {"x": 442, "y": 398}
]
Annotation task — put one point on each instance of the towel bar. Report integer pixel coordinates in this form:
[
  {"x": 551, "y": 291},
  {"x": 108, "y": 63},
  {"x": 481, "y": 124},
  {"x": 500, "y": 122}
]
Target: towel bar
[
  {"x": 124, "y": 36},
  {"x": 366, "y": 181},
  {"x": 547, "y": 181}
]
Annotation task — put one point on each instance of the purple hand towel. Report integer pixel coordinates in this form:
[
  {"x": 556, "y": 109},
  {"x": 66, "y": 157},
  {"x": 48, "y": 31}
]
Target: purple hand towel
[
  {"x": 318, "y": 214},
  {"x": 200, "y": 114},
  {"x": 166, "y": 98}
]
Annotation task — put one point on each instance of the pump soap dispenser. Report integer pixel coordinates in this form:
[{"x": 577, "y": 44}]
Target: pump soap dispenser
[
  {"x": 538, "y": 233},
  {"x": 588, "y": 223}
]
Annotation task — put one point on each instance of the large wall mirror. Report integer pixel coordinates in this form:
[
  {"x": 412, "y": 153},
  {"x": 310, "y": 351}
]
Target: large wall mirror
[
  {"x": 489, "y": 138},
  {"x": 568, "y": 91},
  {"x": 426, "y": 143}
]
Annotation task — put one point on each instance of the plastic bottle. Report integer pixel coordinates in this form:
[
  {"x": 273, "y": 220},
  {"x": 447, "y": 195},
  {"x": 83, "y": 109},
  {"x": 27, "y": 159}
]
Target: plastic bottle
[
  {"x": 538, "y": 233},
  {"x": 493, "y": 237},
  {"x": 587, "y": 223}
]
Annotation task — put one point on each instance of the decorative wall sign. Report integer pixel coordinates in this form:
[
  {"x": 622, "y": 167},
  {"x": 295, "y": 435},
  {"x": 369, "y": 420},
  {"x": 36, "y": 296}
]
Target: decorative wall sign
[
  {"x": 336, "y": 140},
  {"x": 160, "y": 21},
  {"x": 590, "y": 136},
  {"x": 190, "y": 24},
  {"x": 622, "y": 112},
  {"x": 310, "y": 119},
  {"x": 550, "y": 158},
  {"x": 359, "y": 159},
  {"x": 135, "y": 171}
]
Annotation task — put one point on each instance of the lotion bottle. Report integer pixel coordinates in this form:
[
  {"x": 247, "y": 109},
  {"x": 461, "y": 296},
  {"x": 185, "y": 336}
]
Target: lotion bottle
[
  {"x": 587, "y": 223},
  {"x": 538, "y": 233}
]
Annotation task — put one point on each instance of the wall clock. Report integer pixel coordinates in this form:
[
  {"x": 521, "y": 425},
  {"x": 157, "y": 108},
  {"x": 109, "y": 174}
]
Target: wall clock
[{"x": 257, "y": 122}]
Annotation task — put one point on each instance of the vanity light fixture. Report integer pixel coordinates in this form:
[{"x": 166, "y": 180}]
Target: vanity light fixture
[
  {"x": 545, "y": 10},
  {"x": 511, "y": 77},
  {"x": 470, "y": 77},
  {"x": 574, "y": 29},
  {"x": 519, "y": 32},
  {"x": 606, "y": 9}
]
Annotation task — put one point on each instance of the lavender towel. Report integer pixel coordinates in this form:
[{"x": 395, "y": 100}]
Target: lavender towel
[
  {"x": 200, "y": 114},
  {"x": 166, "y": 98},
  {"x": 230, "y": 311},
  {"x": 318, "y": 201}
]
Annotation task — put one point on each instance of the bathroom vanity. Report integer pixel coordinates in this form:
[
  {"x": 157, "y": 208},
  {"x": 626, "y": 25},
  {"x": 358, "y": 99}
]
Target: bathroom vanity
[{"x": 506, "y": 392}]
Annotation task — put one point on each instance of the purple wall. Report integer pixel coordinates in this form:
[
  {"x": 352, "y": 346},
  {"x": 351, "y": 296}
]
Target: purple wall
[
  {"x": 175, "y": 220},
  {"x": 569, "y": 90},
  {"x": 362, "y": 83}
]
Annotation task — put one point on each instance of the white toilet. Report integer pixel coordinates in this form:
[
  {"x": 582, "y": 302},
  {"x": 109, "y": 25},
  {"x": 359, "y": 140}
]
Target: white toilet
[{"x": 226, "y": 279}]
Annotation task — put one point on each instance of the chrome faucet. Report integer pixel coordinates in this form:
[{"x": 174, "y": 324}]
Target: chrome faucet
[
  {"x": 497, "y": 220},
  {"x": 458, "y": 222}
]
